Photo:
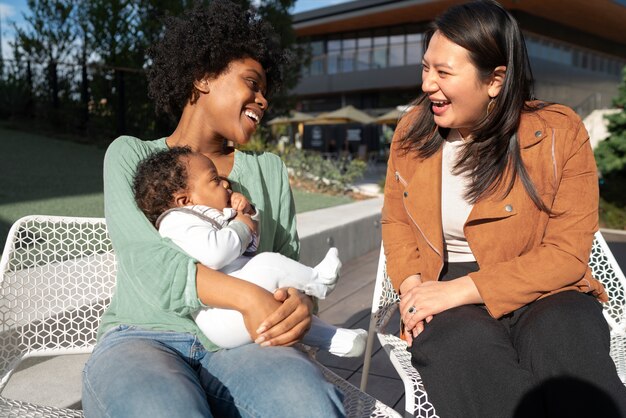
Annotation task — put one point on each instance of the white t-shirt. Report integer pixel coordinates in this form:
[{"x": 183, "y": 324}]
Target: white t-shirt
[{"x": 454, "y": 208}]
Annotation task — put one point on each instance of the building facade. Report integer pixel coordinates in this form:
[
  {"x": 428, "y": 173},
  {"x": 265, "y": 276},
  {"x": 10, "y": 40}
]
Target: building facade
[{"x": 367, "y": 53}]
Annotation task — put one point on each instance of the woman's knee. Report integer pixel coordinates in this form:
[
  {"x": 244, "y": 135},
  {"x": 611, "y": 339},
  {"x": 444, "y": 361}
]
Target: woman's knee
[
  {"x": 565, "y": 319},
  {"x": 296, "y": 385},
  {"x": 301, "y": 382},
  {"x": 141, "y": 377},
  {"x": 464, "y": 327}
]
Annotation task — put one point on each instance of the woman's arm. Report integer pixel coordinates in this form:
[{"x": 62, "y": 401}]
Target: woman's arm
[
  {"x": 287, "y": 324},
  {"x": 286, "y": 240},
  {"x": 401, "y": 250},
  {"x": 255, "y": 303},
  {"x": 563, "y": 255},
  {"x": 158, "y": 273},
  {"x": 560, "y": 260}
]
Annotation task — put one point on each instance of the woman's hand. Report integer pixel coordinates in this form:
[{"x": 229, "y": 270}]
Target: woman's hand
[
  {"x": 421, "y": 301},
  {"x": 287, "y": 324},
  {"x": 408, "y": 333},
  {"x": 260, "y": 305}
]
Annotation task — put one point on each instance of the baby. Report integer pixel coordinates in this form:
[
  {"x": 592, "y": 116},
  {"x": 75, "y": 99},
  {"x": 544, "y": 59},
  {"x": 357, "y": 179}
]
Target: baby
[{"x": 182, "y": 194}]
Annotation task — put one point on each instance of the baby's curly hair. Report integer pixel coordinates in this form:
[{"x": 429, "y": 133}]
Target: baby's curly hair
[
  {"x": 204, "y": 41},
  {"x": 158, "y": 178}
]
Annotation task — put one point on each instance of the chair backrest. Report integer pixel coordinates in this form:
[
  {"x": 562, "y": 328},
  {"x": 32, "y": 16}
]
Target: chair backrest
[
  {"x": 58, "y": 274},
  {"x": 385, "y": 298},
  {"x": 605, "y": 268}
]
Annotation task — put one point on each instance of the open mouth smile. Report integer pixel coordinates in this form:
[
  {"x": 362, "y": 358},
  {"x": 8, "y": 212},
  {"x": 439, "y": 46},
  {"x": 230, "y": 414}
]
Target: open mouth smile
[
  {"x": 256, "y": 118},
  {"x": 440, "y": 103},
  {"x": 438, "y": 107}
]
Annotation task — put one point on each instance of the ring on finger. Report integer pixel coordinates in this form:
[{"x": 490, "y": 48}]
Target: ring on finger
[{"x": 412, "y": 310}]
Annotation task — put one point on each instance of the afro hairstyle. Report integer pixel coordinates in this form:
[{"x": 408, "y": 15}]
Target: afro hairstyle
[
  {"x": 204, "y": 41},
  {"x": 158, "y": 178}
]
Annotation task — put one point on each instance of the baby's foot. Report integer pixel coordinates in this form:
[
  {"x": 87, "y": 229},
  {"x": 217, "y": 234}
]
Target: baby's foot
[
  {"x": 348, "y": 342},
  {"x": 327, "y": 273}
]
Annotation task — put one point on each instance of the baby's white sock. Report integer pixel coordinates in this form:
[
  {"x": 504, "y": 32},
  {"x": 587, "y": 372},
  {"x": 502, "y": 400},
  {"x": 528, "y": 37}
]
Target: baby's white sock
[
  {"x": 342, "y": 342},
  {"x": 348, "y": 342},
  {"x": 327, "y": 274}
]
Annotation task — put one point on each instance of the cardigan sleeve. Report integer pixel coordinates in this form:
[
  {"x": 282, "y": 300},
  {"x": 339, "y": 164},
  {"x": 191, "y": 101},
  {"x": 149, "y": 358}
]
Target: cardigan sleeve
[
  {"x": 153, "y": 268},
  {"x": 286, "y": 241}
]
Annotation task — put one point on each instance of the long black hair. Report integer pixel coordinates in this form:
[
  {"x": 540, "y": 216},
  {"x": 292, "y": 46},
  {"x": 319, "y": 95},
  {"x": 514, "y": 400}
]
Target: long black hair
[{"x": 492, "y": 158}]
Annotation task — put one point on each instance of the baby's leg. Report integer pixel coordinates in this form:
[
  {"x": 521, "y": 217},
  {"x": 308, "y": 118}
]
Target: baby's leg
[
  {"x": 342, "y": 342},
  {"x": 327, "y": 273},
  {"x": 272, "y": 271},
  {"x": 224, "y": 327}
]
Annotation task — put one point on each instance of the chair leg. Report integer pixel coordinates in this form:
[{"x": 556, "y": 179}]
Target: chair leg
[{"x": 368, "y": 353}]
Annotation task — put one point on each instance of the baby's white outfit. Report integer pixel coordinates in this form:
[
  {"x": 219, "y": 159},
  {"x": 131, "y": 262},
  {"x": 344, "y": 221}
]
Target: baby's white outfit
[{"x": 219, "y": 242}]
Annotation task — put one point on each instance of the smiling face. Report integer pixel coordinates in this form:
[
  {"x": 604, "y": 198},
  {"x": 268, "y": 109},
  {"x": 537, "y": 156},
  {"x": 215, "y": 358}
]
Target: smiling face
[
  {"x": 458, "y": 95},
  {"x": 233, "y": 102},
  {"x": 204, "y": 186}
]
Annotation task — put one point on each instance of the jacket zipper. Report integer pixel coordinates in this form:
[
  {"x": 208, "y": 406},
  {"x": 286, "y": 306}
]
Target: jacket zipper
[
  {"x": 400, "y": 179},
  {"x": 404, "y": 183}
]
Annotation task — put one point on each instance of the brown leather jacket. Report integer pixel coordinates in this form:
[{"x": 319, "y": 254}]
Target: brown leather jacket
[{"x": 524, "y": 254}]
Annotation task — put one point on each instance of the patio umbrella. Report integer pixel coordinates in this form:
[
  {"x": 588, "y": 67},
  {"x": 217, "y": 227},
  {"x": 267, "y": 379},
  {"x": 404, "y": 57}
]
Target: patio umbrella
[
  {"x": 294, "y": 117},
  {"x": 392, "y": 116},
  {"x": 345, "y": 114}
]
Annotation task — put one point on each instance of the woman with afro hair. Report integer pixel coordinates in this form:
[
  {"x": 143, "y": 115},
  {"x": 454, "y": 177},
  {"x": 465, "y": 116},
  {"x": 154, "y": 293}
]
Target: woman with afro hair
[{"x": 213, "y": 71}]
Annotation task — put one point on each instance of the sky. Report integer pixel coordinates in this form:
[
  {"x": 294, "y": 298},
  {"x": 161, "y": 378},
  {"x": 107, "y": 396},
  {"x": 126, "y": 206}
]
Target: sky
[{"x": 11, "y": 11}]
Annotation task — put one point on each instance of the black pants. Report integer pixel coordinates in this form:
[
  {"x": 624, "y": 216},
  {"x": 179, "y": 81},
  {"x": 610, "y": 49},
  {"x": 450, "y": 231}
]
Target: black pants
[{"x": 547, "y": 359}]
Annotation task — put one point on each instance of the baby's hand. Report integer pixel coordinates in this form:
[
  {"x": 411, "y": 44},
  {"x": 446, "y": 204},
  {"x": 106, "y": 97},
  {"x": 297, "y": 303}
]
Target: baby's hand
[
  {"x": 241, "y": 204},
  {"x": 246, "y": 219}
]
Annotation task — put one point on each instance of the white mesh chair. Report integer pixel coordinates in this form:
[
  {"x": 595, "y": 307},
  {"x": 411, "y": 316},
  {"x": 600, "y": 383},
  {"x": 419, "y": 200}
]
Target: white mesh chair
[
  {"x": 605, "y": 268},
  {"x": 385, "y": 303},
  {"x": 58, "y": 274}
]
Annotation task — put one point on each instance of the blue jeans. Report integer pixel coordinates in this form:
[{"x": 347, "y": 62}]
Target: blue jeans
[{"x": 141, "y": 373}]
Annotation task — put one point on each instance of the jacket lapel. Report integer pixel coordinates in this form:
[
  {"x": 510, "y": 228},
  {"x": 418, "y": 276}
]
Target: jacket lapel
[{"x": 532, "y": 130}]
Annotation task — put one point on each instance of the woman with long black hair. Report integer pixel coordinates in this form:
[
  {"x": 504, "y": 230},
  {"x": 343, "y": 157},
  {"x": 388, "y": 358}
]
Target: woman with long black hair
[{"x": 491, "y": 205}]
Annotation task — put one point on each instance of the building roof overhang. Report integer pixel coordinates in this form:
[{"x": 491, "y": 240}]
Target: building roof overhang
[{"x": 601, "y": 18}]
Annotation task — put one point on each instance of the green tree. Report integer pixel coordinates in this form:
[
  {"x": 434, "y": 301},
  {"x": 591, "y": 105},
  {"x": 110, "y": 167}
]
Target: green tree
[
  {"x": 276, "y": 12},
  {"x": 611, "y": 153},
  {"x": 112, "y": 32},
  {"x": 93, "y": 55},
  {"x": 48, "y": 37},
  {"x": 152, "y": 14},
  {"x": 611, "y": 159}
]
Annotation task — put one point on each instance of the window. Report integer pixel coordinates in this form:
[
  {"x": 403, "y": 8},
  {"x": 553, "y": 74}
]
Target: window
[
  {"x": 348, "y": 54},
  {"x": 334, "y": 53},
  {"x": 364, "y": 52},
  {"x": 317, "y": 58},
  {"x": 414, "y": 48},
  {"x": 396, "y": 48},
  {"x": 379, "y": 55}
]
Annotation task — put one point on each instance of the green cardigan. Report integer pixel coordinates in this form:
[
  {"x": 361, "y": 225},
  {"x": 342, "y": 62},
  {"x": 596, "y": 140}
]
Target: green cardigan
[{"x": 156, "y": 280}]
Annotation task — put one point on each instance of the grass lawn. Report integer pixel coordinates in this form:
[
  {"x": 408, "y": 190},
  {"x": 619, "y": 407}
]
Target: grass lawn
[{"x": 46, "y": 176}]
